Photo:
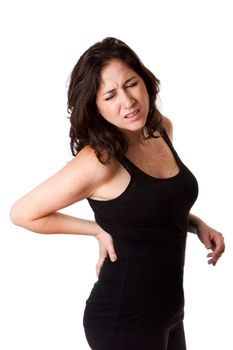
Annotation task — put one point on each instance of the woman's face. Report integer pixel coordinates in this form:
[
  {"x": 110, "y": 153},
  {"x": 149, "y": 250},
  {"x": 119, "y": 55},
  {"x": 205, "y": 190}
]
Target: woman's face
[{"x": 122, "y": 98}]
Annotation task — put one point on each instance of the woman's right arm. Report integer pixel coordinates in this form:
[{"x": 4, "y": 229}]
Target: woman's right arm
[{"x": 37, "y": 211}]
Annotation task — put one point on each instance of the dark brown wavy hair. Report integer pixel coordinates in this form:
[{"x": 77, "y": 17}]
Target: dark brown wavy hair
[{"x": 88, "y": 127}]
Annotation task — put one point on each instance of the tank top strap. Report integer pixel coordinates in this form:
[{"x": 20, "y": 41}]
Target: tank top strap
[
  {"x": 166, "y": 138},
  {"x": 170, "y": 145},
  {"x": 128, "y": 165}
]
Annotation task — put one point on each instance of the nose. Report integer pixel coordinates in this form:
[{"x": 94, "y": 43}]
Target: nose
[{"x": 127, "y": 101}]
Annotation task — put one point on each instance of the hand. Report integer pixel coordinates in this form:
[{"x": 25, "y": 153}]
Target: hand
[
  {"x": 105, "y": 248},
  {"x": 213, "y": 240}
]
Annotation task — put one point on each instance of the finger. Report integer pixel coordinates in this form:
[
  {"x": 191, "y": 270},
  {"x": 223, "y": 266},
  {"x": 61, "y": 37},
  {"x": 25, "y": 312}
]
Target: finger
[
  {"x": 213, "y": 262},
  {"x": 102, "y": 251},
  {"x": 100, "y": 261},
  {"x": 207, "y": 243},
  {"x": 214, "y": 254},
  {"x": 218, "y": 245},
  {"x": 112, "y": 253},
  {"x": 214, "y": 258},
  {"x": 219, "y": 249},
  {"x": 99, "y": 264}
]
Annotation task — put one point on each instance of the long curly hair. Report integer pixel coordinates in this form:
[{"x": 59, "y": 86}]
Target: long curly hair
[{"x": 88, "y": 127}]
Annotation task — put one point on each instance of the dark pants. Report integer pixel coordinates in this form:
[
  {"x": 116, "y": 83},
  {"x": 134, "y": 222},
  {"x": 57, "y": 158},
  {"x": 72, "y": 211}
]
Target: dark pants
[{"x": 162, "y": 339}]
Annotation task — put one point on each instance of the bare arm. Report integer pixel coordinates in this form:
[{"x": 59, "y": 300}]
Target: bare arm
[
  {"x": 37, "y": 211},
  {"x": 194, "y": 221}
]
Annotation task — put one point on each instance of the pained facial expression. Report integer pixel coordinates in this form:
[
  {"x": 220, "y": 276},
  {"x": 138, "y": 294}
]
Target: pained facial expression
[{"x": 122, "y": 98}]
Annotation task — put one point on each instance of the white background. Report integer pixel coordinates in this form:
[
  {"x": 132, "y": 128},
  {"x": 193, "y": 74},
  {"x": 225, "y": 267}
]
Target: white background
[{"x": 45, "y": 280}]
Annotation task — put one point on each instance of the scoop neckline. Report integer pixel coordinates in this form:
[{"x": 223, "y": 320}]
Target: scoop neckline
[{"x": 153, "y": 177}]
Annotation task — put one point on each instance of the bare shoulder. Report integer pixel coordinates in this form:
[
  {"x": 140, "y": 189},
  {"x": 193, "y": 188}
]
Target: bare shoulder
[
  {"x": 87, "y": 167},
  {"x": 167, "y": 124},
  {"x": 77, "y": 180}
]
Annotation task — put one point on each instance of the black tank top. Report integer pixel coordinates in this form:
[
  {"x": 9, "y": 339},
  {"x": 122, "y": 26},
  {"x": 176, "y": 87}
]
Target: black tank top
[
  {"x": 148, "y": 223},
  {"x": 149, "y": 207}
]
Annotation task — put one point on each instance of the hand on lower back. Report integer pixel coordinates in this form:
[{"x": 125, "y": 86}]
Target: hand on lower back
[{"x": 106, "y": 248}]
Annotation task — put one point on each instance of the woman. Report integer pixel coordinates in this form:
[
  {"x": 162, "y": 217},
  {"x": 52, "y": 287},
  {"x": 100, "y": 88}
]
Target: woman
[{"x": 141, "y": 194}]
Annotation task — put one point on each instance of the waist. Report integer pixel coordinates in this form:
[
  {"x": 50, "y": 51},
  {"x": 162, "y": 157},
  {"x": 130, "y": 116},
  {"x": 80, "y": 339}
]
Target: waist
[
  {"x": 166, "y": 248},
  {"x": 150, "y": 263}
]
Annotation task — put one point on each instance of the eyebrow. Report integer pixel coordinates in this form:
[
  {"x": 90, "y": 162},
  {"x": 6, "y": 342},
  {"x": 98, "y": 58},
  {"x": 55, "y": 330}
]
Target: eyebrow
[{"x": 112, "y": 90}]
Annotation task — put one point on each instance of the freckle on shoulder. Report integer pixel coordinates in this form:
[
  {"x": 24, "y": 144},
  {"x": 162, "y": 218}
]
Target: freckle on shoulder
[
  {"x": 88, "y": 157},
  {"x": 87, "y": 153}
]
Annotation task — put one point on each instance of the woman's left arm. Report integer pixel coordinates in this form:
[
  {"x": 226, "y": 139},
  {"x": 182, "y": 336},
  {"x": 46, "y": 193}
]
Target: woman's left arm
[{"x": 211, "y": 238}]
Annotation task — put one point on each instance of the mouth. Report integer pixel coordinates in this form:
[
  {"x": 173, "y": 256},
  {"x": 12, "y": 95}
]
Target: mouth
[{"x": 132, "y": 114}]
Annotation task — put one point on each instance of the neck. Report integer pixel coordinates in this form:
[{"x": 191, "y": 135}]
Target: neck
[
  {"x": 137, "y": 141},
  {"x": 135, "y": 138}
]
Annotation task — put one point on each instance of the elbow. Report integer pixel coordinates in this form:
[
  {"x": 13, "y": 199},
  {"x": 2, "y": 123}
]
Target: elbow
[
  {"x": 17, "y": 216},
  {"x": 21, "y": 215}
]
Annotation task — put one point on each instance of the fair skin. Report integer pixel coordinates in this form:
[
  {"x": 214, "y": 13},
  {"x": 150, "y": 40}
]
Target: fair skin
[{"x": 122, "y": 99}]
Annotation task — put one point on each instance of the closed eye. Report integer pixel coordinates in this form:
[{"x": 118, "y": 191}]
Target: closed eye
[
  {"x": 108, "y": 98},
  {"x": 128, "y": 86},
  {"x": 134, "y": 84}
]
